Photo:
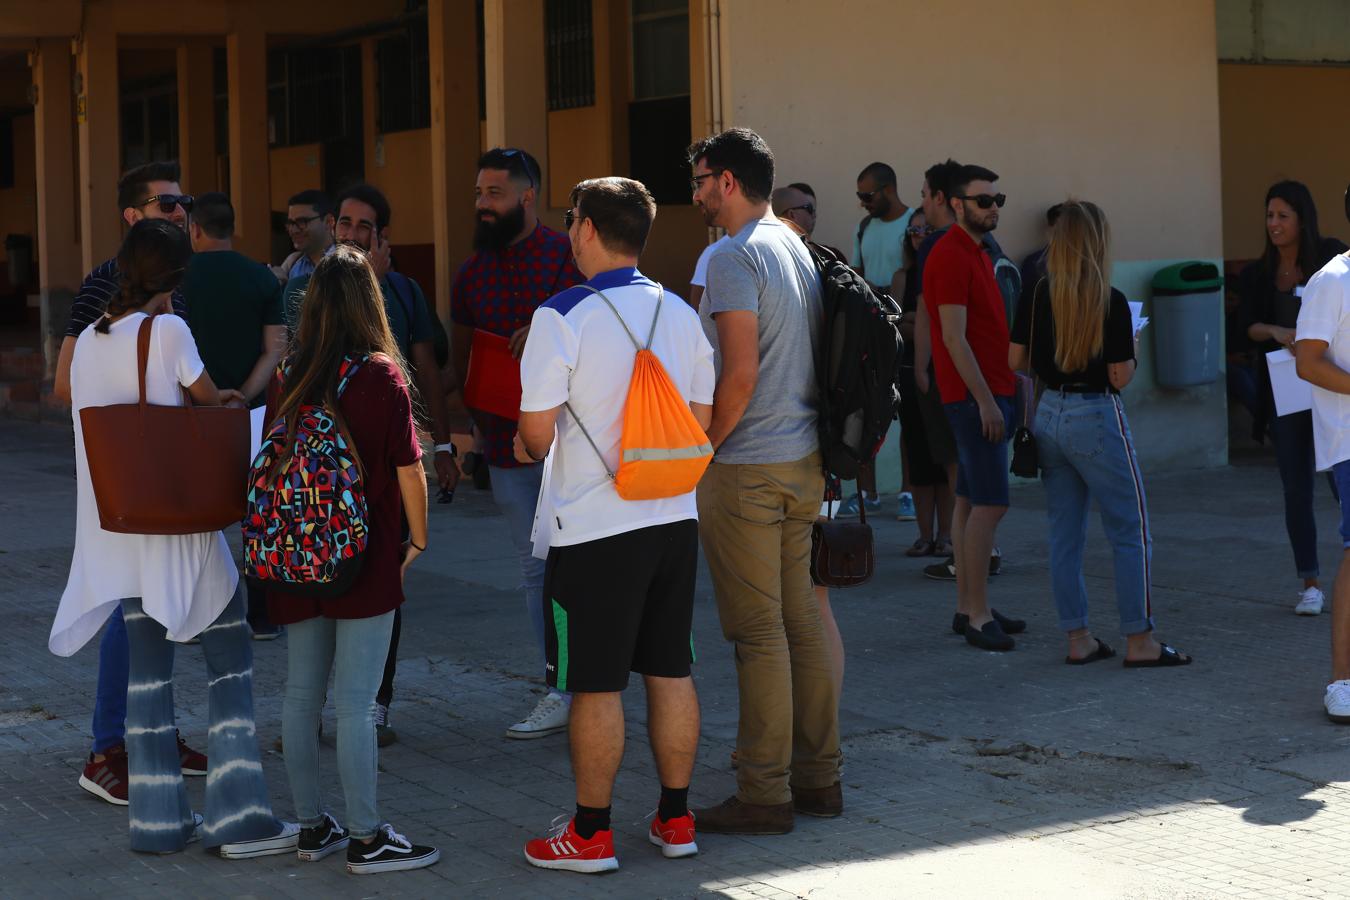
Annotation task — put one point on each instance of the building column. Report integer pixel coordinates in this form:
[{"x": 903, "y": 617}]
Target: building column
[
  {"x": 454, "y": 137},
  {"x": 98, "y": 117},
  {"x": 250, "y": 184},
  {"x": 58, "y": 236},
  {"x": 514, "y": 71},
  {"x": 197, "y": 116}
]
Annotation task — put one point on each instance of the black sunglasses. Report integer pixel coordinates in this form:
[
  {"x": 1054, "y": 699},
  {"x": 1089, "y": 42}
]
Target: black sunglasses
[
  {"x": 168, "y": 201},
  {"x": 521, "y": 158},
  {"x": 984, "y": 201},
  {"x": 569, "y": 218},
  {"x": 919, "y": 230},
  {"x": 810, "y": 210},
  {"x": 866, "y": 196}
]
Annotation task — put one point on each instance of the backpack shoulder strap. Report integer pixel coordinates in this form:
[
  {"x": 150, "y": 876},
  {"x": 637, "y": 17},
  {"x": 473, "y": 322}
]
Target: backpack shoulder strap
[
  {"x": 613, "y": 309},
  {"x": 862, "y": 226}
]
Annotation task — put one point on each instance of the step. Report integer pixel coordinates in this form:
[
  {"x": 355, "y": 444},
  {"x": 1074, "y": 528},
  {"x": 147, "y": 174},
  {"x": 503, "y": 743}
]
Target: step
[{"x": 20, "y": 363}]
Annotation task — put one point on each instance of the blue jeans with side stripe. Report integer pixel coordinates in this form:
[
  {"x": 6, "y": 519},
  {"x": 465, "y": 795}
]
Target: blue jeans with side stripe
[
  {"x": 237, "y": 806},
  {"x": 1086, "y": 452}
]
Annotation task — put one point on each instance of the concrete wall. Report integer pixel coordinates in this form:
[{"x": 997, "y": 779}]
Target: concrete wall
[
  {"x": 402, "y": 175},
  {"x": 292, "y": 170}
]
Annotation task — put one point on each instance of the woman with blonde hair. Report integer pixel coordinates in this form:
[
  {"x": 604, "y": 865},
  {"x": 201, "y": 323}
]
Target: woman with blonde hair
[
  {"x": 1075, "y": 332},
  {"x": 346, "y": 361}
]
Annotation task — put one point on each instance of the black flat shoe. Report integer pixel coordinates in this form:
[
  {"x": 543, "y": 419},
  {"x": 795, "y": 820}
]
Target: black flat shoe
[
  {"x": 989, "y": 637},
  {"x": 1166, "y": 659},
  {"x": 961, "y": 621},
  {"x": 1103, "y": 651}
]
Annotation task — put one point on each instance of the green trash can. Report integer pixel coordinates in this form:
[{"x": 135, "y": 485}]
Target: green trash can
[{"x": 1186, "y": 322}]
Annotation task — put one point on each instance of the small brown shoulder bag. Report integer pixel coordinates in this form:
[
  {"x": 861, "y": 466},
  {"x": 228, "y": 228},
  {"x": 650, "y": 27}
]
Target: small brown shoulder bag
[{"x": 841, "y": 552}]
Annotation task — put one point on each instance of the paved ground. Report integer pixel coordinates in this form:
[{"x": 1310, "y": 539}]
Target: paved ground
[{"x": 967, "y": 774}]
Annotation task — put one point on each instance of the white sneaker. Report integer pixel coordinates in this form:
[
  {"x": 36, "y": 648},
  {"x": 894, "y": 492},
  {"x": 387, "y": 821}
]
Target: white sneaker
[
  {"x": 549, "y": 717},
  {"x": 284, "y": 841},
  {"x": 1309, "y": 602},
  {"x": 1337, "y": 701}
]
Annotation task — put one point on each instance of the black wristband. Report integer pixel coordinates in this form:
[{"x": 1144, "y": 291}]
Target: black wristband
[{"x": 415, "y": 547}]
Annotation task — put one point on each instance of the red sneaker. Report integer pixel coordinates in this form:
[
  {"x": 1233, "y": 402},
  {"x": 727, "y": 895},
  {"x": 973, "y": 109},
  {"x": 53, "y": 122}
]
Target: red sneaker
[
  {"x": 107, "y": 780},
  {"x": 192, "y": 762},
  {"x": 565, "y": 849},
  {"x": 675, "y": 836}
]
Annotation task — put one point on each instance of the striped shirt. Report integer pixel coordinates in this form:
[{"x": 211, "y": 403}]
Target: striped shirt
[{"x": 98, "y": 288}]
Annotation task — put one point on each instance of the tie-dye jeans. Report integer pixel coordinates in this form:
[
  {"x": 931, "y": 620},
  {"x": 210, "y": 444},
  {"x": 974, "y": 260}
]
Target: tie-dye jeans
[{"x": 237, "y": 806}]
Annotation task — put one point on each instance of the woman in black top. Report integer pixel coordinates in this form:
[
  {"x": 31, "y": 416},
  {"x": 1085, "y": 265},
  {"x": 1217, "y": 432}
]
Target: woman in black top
[
  {"x": 1075, "y": 331},
  {"x": 1271, "y": 290}
]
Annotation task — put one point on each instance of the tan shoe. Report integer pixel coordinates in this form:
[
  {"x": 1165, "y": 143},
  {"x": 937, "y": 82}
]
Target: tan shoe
[
  {"x": 733, "y": 816},
  {"x": 826, "y": 802}
]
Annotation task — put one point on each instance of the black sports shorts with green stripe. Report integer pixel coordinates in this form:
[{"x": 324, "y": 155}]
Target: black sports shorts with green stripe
[{"x": 621, "y": 604}]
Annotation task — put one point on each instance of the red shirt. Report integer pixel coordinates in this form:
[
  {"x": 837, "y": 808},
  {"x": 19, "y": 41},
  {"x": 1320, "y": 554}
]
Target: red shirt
[
  {"x": 958, "y": 273},
  {"x": 378, "y": 414}
]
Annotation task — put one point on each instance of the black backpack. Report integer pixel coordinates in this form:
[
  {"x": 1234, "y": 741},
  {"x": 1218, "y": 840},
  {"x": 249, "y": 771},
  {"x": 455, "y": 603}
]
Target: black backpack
[{"x": 859, "y": 367}]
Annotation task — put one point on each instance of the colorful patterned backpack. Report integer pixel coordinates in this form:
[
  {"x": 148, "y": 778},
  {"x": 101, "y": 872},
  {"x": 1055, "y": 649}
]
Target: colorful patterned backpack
[{"x": 307, "y": 524}]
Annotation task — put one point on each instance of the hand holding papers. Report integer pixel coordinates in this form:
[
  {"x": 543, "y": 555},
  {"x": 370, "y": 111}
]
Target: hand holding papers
[
  {"x": 1292, "y": 394},
  {"x": 1137, "y": 317}
]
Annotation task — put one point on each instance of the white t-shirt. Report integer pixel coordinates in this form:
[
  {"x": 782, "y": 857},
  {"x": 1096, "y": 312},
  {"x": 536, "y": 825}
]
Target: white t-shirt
[
  {"x": 700, "y": 278},
  {"x": 1325, "y": 316},
  {"x": 578, "y": 353},
  {"x": 185, "y": 581}
]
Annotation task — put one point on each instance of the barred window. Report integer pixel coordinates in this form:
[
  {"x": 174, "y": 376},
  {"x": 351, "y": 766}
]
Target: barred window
[
  {"x": 310, "y": 94},
  {"x": 403, "y": 62},
  {"x": 571, "y": 54}
]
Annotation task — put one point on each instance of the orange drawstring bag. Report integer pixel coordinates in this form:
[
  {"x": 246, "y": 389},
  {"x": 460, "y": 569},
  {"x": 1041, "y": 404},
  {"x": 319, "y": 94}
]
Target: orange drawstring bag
[{"x": 663, "y": 451}]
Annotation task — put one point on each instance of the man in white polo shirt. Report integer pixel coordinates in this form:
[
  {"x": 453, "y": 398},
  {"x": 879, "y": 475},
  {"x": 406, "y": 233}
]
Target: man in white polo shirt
[
  {"x": 1323, "y": 352},
  {"x": 619, "y": 582}
]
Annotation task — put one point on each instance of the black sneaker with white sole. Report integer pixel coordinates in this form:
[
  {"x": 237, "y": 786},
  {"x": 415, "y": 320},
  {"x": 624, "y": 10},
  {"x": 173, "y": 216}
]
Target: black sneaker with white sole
[
  {"x": 389, "y": 852},
  {"x": 325, "y": 838}
]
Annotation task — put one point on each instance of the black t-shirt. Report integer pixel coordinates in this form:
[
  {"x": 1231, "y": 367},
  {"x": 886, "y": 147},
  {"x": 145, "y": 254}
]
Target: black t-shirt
[{"x": 1117, "y": 340}]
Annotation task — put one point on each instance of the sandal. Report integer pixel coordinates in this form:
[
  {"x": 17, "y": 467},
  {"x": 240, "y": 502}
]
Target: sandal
[
  {"x": 1166, "y": 659},
  {"x": 922, "y": 548},
  {"x": 1103, "y": 651},
  {"x": 942, "y": 547}
]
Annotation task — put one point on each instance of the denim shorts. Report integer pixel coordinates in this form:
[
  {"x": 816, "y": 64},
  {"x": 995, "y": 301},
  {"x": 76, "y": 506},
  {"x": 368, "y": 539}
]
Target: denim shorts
[
  {"x": 1340, "y": 473},
  {"x": 981, "y": 465}
]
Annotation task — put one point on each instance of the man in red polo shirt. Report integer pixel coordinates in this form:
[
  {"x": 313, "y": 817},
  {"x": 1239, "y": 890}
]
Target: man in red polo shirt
[{"x": 970, "y": 358}]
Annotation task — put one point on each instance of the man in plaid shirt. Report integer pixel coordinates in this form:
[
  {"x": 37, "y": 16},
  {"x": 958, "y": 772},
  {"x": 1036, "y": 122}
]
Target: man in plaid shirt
[{"x": 517, "y": 265}]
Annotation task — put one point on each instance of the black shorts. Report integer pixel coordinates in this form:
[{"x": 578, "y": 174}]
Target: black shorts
[{"x": 621, "y": 604}]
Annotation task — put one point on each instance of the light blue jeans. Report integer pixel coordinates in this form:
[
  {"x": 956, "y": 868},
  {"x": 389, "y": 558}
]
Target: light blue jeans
[
  {"x": 517, "y": 493},
  {"x": 237, "y": 806},
  {"x": 355, "y": 650},
  {"x": 1086, "y": 452}
]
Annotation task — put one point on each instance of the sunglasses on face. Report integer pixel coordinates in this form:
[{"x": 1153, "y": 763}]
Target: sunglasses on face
[
  {"x": 569, "y": 219},
  {"x": 918, "y": 230},
  {"x": 301, "y": 223},
  {"x": 866, "y": 196},
  {"x": 810, "y": 210},
  {"x": 984, "y": 201},
  {"x": 168, "y": 201}
]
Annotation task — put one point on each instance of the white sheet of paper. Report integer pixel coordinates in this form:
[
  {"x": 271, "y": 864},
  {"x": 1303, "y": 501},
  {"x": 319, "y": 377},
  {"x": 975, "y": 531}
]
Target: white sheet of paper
[
  {"x": 1292, "y": 394},
  {"x": 255, "y": 419},
  {"x": 1137, "y": 317}
]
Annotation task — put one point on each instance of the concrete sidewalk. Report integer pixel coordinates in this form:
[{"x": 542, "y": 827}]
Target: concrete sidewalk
[{"x": 967, "y": 773}]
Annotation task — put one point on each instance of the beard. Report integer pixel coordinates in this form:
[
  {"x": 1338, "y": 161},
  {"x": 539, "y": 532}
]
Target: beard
[
  {"x": 982, "y": 226},
  {"x": 495, "y": 235}
]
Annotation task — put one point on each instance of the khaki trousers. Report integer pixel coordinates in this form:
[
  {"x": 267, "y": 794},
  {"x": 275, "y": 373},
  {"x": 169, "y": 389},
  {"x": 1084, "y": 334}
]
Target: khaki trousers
[{"x": 755, "y": 525}]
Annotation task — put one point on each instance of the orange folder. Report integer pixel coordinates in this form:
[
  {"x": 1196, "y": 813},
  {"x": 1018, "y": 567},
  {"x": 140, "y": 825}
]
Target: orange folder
[{"x": 494, "y": 376}]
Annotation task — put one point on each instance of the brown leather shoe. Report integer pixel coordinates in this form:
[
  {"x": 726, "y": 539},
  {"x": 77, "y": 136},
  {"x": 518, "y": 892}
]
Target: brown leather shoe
[
  {"x": 827, "y": 802},
  {"x": 733, "y": 816}
]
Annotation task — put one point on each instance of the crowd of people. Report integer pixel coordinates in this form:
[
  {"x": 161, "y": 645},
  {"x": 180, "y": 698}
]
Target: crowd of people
[{"x": 991, "y": 348}]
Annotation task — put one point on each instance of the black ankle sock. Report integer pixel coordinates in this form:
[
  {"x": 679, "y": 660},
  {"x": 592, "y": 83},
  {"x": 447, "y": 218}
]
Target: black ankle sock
[
  {"x": 591, "y": 819},
  {"x": 674, "y": 803}
]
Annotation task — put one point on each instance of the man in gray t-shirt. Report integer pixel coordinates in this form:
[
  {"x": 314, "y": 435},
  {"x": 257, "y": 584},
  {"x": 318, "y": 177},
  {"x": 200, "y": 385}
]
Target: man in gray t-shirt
[
  {"x": 765, "y": 269},
  {"x": 758, "y": 499}
]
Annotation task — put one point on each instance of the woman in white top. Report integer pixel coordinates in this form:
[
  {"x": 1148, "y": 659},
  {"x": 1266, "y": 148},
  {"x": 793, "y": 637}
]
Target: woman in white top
[{"x": 171, "y": 587}]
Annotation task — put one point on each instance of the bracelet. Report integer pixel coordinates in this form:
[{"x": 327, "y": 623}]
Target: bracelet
[
  {"x": 446, "y": 448},
  {"x": 413, "y": 544}
]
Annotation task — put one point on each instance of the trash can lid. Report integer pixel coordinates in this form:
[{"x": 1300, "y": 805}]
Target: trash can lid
[{"x": 1194, "y": 277}]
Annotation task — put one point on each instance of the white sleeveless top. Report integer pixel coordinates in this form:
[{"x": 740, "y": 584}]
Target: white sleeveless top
[{"x": 184, "y": 581}]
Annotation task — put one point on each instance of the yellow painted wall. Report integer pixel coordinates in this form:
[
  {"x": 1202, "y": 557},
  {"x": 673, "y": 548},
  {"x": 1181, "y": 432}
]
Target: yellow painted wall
[
  {"x": 294, "y": 169},
  {"x": 1112, "y": 102},
  {"x": 404, "y": 178},
  {"x": 18, "y": 205},
  {"x": 1267, "y": 115}
]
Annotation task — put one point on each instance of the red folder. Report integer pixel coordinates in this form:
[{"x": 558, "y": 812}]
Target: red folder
[{"x": 494, "y": 376}]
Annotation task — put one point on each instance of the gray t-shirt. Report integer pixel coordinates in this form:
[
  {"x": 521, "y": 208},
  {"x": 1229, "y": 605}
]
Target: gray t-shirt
[{"x": 766, "y": 269}]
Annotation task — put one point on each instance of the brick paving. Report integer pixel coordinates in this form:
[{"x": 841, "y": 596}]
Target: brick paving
[{"x": 966, "y": 773}]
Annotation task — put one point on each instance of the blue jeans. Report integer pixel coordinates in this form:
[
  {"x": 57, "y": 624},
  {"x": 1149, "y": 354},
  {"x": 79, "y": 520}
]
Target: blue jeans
[
  {"x": 110, "y": 698},
  {"x": 1086, "y": 452},
  {"x": 981, "y": 464},
  {"x": 517, "y": 493},
  {"x": 237, "y": 806},
  {"x": 355, "y": 650},
  {"x": 1293, "y": 439}
]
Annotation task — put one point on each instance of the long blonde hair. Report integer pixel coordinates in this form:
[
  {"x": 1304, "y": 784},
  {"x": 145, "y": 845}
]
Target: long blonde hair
[
  {"x": 342, "y": 314},
  {"x": 1078, "y": 266}
]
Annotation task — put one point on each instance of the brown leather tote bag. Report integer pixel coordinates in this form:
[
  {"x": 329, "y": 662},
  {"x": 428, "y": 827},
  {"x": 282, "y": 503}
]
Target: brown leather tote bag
[{"x": 166, "y": 469}]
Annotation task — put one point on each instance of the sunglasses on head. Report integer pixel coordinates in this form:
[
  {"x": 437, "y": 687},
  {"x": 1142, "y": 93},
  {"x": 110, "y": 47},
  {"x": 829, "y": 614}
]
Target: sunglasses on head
[
  {"x": 520, "y": 158},
  {"x": 168, "y": 201},
  {"x": 984, "y": 201},
  {"x": 810, "y": 209}
]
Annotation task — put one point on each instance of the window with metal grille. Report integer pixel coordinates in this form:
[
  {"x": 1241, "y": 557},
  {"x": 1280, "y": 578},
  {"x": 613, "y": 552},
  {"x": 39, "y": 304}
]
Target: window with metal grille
[
  {"x": 313, "y": 95},
  {"x": 403, "y": 64},
  {"x": 571, "y": 54}
]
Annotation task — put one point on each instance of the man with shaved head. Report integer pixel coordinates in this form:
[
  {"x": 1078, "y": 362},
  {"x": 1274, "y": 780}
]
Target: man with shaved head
[{"x": 796, "y": 205}]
